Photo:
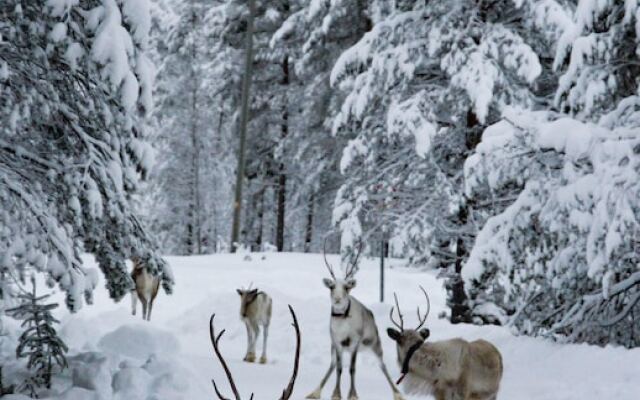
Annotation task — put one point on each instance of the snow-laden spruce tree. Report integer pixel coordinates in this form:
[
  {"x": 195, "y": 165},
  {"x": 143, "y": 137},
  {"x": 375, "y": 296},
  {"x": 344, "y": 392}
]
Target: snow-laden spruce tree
[
  {"x": 421, "y": 85},
  {"x": 562, "y": 260},
  {"x": 75, "y": 85}
]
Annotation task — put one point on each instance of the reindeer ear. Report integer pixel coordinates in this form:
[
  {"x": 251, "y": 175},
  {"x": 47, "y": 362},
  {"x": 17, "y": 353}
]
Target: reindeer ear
[
  {"x": 329, "y": 283},
  {"x": 350, "y": 283},
  {"x": 393, "y": 334},
  {"x": 253, "y": 292},
  {"x": 239, "y": 292},
  {"x": 424, "y": 333}
]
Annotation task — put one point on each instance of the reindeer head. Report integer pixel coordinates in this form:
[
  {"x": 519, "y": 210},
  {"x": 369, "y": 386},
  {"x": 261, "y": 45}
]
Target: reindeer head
[
  {"x": 340, "y": 288},
  {"x": 247, "y": 296},
  {"x": 408, "y": 340}
]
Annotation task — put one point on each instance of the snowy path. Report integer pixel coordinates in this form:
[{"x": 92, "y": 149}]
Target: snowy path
[{"x": 534, "y": 368}]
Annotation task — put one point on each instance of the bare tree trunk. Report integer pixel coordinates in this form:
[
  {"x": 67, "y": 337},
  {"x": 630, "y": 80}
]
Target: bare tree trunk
[
  {"x": 195, "y": 192},
  {"x": 460, "y": 311},
  {"x": 214, "y": 189},
  {"x": 309, "y": 231},
  {"x": 282, "y": 178},
  {"x": 244, "y": 120},
  {"x": 260, "y": 219},
  {"x": 254, "y": 217},
  {"x": 196, "y": 242}
]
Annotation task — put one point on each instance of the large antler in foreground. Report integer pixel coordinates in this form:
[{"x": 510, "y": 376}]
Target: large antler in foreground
[{"x": 215, "y": 339}]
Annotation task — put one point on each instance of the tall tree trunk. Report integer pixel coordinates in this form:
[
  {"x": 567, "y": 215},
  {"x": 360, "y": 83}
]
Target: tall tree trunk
[
  {"x": 195, "y": 192},
  {"x": 214, "y": 189},
  {"x": 196, "y": 231},
  {"x": 282, "y": 178},
  {"x": 308, "y": 236},
  {"x": 260, "y": 220},
  {"x": 244, "y": 120},
  {"x": 254, "y": 222},
  {"x": 460, "y": 311}
]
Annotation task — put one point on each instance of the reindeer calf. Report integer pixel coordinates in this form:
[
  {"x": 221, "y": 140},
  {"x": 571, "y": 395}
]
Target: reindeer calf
[
  {"x": 449, "y": 369},
  {"x": 146, "y": 289},
  {"x": 255, "y": 311}
]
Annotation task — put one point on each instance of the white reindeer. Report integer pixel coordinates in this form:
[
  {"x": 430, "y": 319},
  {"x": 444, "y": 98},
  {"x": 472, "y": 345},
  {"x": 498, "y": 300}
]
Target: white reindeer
[
  {"x": 255, "y": 311},
  {"x": 449, "y": 369},
  {"x": 352, "y": 326},
  {"x": 146, "y": 289}
]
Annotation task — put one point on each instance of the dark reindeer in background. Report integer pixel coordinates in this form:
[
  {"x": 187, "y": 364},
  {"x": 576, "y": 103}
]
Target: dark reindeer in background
[
  {"x": 352, "y": 326},
  {"x": 448, "y": 369},
  {"x": 215, "y": 341}
]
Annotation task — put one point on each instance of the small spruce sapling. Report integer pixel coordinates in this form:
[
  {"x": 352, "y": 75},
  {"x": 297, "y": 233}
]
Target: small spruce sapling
[{"x": 39, "y": 342}]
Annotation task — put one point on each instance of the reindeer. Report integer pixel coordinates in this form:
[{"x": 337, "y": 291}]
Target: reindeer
[
  {"x": 215, "y": 340},
  {"x": 352, "y": 326},
  {"x": 146, "y": 288},
  {"x": 451, "y": 369},
  {"x": 255, "y": 311}
]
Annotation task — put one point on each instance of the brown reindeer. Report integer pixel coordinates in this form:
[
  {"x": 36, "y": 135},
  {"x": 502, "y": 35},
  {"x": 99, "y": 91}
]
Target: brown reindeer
[
  {"x": 453, "y": 369},
  {"x": 146, "y": 288},
  {"x": 215, "y": 340}
]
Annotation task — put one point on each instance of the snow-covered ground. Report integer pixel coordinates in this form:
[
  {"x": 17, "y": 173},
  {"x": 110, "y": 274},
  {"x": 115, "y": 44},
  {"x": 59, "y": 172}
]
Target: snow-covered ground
[{"x": 115, "y": 355}]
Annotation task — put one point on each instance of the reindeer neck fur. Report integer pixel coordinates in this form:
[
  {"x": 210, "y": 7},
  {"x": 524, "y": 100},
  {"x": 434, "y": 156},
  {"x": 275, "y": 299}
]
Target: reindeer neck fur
[
  {"x": 432, "y": 365},
  {"x": 343, "y": 312},
  {"x": 257, "y": 309},
  {"x": 353, "y": 327}
]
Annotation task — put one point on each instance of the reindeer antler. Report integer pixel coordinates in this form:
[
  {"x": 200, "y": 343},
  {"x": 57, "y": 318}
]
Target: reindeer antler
[
  {"x": 324, "y": 253},
  {"x": 214, "y": 341},
  {"x": 397, "y": 306},
  {"x": 352, "y": 268},
  {"x": 422, "y": 320},
  {"x": 286, "y": 393}
]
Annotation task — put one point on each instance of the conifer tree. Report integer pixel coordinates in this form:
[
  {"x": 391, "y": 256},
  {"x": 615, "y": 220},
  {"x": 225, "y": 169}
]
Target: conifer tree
[{"x": 39, "y": 343}]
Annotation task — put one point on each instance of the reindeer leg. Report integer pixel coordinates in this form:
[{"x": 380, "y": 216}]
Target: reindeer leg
[
  {"x": 352, "y": 371},
  {"x": 255, "y": 331},
  {"x": 152, "y": 295},
  {"x": 265, "y": 334},
  {"x": 377, "y": 349},
  {"x": 249, "y": 333},
  {"x": 336, "y": 391},
  {"x": 316, "y": 393},
  {"x": 149, "y": 310},
  {"x": 144, "y": 307},
  {"x": 134, "y": 302}
]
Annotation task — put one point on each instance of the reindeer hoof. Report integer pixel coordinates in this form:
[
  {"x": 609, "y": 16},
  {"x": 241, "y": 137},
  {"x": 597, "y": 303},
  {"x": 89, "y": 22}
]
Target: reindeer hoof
[
  {"x": 397, "y": 396},
  {"x": 314, "y": 395},
  {"x": 336, "y": 397},
  {"x": 250, "y": 358},
  {"x": 263, "y": 360},
  {"x": 353, "y": 397}
]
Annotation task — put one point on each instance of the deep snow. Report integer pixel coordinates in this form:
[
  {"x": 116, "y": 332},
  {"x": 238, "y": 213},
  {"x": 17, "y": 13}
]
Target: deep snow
[{"x": 115, "y": 355}]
